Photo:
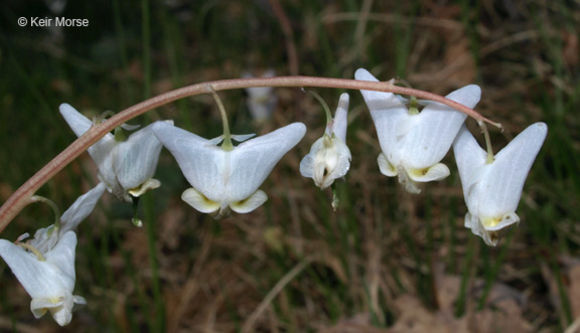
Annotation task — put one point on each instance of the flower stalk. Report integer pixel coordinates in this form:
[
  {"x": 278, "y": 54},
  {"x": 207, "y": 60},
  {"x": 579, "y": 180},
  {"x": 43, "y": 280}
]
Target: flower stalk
[{"x": 22, "y": 196}]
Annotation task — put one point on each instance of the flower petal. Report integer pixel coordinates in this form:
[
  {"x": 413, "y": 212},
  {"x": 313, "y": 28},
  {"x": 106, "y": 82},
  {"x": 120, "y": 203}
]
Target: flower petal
[
  {"x": 340, "y": 120},
  {"x": 249, "y": 204},
  {"x": 50, "y": 278},
  {"x": 470, "y": 159},
  {"x": 386, "y": 167},
  {"x": 436, "y": 127},
  {"x": 307, "y": 165},
  {"x": 501, "y": 188},
  {"x": 252, "y": 161},
  {"x": 76, "y": 120},
  {"x": 101, "y": 150},
  {"x": 389, "y": 116},
  {"x": 137, "y": 157},
  {"x": 436, "y": 172},
  {"x": 199, "y": 201},
  {"x": 63, "y": 257},
  {"x": 203, "y": 164},
  {"x": 81, "y": 208}
]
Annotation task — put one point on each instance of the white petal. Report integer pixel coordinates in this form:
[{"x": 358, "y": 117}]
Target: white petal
[
  {"x": 386, "y": 167},
  {"x": 100, "y": 151},
  {"x": 249, "y": 204},
  {"x": 501, "y": 188},
  {"x": 41, "y": 279},
  {"x": 81, "y": 208},
  {"x": 307, "y": 165},
  {"x": 340, "y": 120},
  {"x": 63, "y": 314},
  {"x": 77, "y": 121},
  {"x": 137, "y": 158},
  {"x": 436, "y": 172},
  {"x": 389, "y": 116},
  {"x": 470, "y": 159},
  {"x": 202, "y": 163},
  {"x": 436, "y": 127},
  {"x": 199, "y": 201},
  {"x": 60, "y": 308},
  {"x": 63, "y": 257},
  {"x": 252, "y": 161}
]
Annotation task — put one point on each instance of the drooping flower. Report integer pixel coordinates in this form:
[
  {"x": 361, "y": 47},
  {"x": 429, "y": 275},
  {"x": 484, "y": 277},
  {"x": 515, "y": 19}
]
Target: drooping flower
[
  {"x": 329, "y": 157},
  {"x": 44, "y": 265},
  {"x": 227, "y": 176},
  {"x": 492, "y": 189},
  {"x": 413, "y": 143},
  {"x": 126, "y": 167},
  {"x": 261, "y": 100},
  {"x": 49, "y": 277}
]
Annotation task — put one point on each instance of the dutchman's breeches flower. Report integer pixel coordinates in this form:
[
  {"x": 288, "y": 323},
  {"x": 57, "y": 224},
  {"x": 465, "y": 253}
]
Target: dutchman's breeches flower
[
  {"x": 225, "y": 177},
  {"x": 492, "y": 187},
  {"x": 414, "y": 142},
  {"x": 126, "y": 167},
  {"x": 44, "y": 265},
  {"x": 329, "y": 157}
]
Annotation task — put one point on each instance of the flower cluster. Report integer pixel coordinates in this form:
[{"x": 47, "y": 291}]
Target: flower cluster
[
  {"x": 414, "y": 142},
  {"x": 225, "y": 177}
]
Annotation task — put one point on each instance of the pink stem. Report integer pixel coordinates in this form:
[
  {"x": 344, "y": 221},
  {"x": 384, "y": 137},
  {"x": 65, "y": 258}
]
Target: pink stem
[{"x": 19, "y": 199}]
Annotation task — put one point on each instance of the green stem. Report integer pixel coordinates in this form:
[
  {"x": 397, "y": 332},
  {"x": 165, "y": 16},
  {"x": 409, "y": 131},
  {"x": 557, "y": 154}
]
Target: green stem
[
  {"x": 53, "y": 206},
  {"x": 488, "y": 146},
  {"x": 324, "y": 105},
  {"x": 227, "y": 144}
]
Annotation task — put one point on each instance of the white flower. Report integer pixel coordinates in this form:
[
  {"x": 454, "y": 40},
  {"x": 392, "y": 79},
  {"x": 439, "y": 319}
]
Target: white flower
[
  {"x": 261, "y": 100},
  {"x": 329, "y": 157},
  {"x": 44, "y": 265},
  {"x": 224, "y": 178},
  {"x": 49, "y": 278},
  {"x": 126, "y": 167},
  {"x": 492, "y": 191},
  {"x": 413, "y": 143}
]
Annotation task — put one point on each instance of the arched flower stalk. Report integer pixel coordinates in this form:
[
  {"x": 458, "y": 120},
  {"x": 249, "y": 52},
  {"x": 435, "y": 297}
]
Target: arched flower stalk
[{"x": 21, "y": 197}]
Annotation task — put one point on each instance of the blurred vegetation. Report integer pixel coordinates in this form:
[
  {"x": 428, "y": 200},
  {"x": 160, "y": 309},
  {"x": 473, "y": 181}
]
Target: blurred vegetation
[{"x": 385, "y": 260}]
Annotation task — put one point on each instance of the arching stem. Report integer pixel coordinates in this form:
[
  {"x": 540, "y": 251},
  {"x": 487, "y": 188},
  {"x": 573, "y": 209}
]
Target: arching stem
[{"x": 19, "y": 199}]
